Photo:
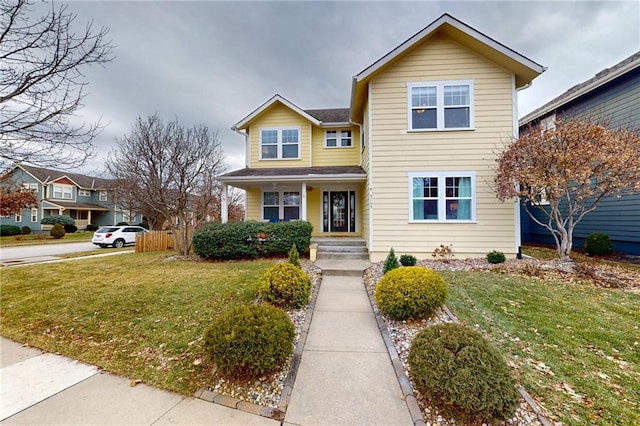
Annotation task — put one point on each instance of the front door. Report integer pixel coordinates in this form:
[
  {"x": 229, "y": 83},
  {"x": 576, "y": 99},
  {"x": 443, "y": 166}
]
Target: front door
[{"x": 339, "y": 211}]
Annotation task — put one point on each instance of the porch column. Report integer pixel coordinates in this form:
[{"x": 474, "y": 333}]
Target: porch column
[
  {"x": 224, "y": 206},
  {"x": 89, "y": 217},
  {"x": 303, "y": 201}
]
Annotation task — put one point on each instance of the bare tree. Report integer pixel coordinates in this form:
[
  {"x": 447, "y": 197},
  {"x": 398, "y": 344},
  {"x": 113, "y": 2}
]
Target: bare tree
[
  {"x": 170, "y": 170},
  {"x": 564, "y": 173},
  {"x": 41, "y": 84}
]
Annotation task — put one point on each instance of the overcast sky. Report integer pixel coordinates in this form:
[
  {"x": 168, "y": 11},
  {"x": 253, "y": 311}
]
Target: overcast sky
[{"x": 215, "y": 62}]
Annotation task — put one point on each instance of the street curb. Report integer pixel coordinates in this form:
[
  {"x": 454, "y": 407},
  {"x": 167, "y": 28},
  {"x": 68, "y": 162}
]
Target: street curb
[
  {"x": 278, "y": 412},
  {"x": 406, "y": 385}
]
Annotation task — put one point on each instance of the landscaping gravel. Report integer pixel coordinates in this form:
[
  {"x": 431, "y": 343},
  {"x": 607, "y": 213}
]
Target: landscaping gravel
[{"x": 267, "y": 390}]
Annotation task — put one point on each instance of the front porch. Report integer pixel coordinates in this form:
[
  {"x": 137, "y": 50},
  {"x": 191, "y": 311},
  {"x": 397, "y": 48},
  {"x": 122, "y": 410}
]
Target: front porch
[{"x": 330, "y": 198}]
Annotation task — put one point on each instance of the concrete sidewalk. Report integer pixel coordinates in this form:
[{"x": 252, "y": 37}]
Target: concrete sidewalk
[
  {"x": 345, "y": 375},
  {"x": 47, "y": 389}
]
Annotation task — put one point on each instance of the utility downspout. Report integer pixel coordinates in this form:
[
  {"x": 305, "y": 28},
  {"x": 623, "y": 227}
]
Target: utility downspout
[{"x": 247, "y": 161}]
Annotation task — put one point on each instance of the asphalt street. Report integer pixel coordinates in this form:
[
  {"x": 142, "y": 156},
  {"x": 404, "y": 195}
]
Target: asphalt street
[{"x": 42, "y": 250}]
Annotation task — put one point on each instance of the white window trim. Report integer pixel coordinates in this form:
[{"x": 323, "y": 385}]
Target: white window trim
[
  {"x": 281, "y": 204},
  {"x": 63, "y": 187},
  {"x": 84, "y": 193},
  {"x": 440, "y": 105},
  {"x": 442, "y": 215},
  {"x": 103, "y": 196},
  {"x": 18, "y": 218},
  {"x": 279, "y": 142},
  {"x": 338, "y": 138},
  {"x": 31, "y": 187},
  {"x": 34, "y": 215}
]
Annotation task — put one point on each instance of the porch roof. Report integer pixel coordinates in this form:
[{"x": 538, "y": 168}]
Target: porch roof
[
  {"x": 72, "y": 205},
  {"x": 329, "y": 173}
]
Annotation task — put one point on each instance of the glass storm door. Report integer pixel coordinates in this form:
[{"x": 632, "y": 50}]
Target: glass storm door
[{"x": 339, "y": 211}]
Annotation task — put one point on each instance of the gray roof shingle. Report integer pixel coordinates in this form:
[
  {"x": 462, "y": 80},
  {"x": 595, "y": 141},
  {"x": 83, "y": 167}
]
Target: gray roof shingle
[
  {"x": 331, "y": 115},
  {"x": 84, "y": 181}
]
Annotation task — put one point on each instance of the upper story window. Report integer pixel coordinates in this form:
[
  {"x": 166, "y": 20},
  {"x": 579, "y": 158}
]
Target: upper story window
[
  {"x": 84, "y": 193},
  {"x": 338, "y": 139},
  {"x": 442, "y": 197},
  {"x": 30, "y": 186},
  {"x": 280, "y": 144},
  {"x": 63, "y": 192},
  {"x": 440, "y": 105},
  {"x": 102, "y": 196}
]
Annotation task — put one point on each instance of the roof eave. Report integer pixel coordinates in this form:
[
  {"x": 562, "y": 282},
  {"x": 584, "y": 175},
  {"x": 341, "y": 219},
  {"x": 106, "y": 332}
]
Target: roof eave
[
  {"x": 347, "y": 177},
  {"x": 242, "y": 124}
]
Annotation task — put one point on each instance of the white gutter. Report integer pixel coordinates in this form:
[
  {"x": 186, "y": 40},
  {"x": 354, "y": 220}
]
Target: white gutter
[
  {"x": 351, "y": 177},
  {"x": 247, "y": 153}
]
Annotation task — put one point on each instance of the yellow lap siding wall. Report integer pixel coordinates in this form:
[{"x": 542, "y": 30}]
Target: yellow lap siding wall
[{"x": 397, "y": 152}]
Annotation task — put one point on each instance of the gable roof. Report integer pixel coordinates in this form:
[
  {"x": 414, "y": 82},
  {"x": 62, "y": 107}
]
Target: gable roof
[
  {"x": 600, "y": 79},
  {"x": 45, "y": 176},
  {"x": 524, "y": 68},
  {"x": 331, "y": 115},
  {"x": 274, "y": 99}
]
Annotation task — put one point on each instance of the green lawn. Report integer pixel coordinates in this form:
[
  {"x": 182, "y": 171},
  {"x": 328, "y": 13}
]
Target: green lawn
[
  {"x": 576, "y": 347},
  {"x": 139, "y": 315},
  {"x": 33, "y": 239}
]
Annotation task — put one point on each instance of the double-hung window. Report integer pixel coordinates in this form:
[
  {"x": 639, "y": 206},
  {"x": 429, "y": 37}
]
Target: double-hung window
[
  {"x": 280, "y": 205},
  {"x": 34, "y": 215},
  {"x": 84, "y": 193},
  {"x": 280, "y": 144},
  {"x": 30, "y": 187},
  {"x": 102, "y": 196},
  {"x": 338, "y": 139},
  {"x": 62, "y": 192},
  {"x": 442, "y": 197},
  {"x": 440, "y": 105}
]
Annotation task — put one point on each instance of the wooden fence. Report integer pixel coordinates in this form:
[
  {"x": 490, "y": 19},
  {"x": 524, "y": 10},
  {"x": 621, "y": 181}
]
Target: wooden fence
[{"x": 154, "y": 241}]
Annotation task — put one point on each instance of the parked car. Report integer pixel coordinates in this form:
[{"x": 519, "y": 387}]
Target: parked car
[{"x": 116, "y": 236}]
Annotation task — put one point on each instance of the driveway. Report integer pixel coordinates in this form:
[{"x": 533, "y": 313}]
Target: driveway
[{"x": 43, "y": 250}]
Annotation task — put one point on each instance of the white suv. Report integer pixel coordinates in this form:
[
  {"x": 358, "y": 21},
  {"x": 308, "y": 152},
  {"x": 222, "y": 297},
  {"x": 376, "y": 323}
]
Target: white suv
[{"x": 116, "y": 236}]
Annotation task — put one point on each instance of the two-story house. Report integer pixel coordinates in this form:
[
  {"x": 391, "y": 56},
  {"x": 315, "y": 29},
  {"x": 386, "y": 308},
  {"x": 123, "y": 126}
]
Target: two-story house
[
  {"x": 84, "y": 198},
  {"x": 410, "y": 163},
  {"x": 611, "y": 97}
]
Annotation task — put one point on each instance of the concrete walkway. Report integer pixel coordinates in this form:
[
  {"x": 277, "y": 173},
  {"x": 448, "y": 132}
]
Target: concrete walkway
[{"x": 345, "y": 375}]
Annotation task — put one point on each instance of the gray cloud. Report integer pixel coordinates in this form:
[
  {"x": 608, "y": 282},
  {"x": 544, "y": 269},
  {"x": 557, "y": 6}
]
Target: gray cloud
[{"x": 214, "y": 62}]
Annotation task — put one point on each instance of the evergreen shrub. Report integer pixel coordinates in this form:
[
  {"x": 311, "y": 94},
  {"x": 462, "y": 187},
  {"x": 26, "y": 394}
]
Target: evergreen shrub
[
  {"x": 122, "y": 224},
  {"x": 496, "y": 257},
  {"x": 408, "y": 260},
  {"x": 8, "y": 230},
  {"x": 294, "y": 256},
  {"x": 391, "y": 262},
  {"x": 286, "y": 286},
  {"x": 92, "y": 227},
  {"x": 57, "y": 218},
  {"x": 25, "y": 230},
  {"x": 57, "y": 231},
  {"x": 250, "y": 341},
  {"x": 462, "y": 373},
  {"x": 410, "y": 292},
  {"x": 250, "y": 239},
  {"x": 598, "y": 244},
  {"x": 70, "y": 229}
]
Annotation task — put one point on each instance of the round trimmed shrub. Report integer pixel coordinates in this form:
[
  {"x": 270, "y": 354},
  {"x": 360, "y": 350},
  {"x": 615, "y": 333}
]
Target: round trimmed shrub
[
  {"x": 410, "y": 292},
  {"x": 57, "y": 231},
  {"x": 122, "y": 224},
  {"x": 70, "y": 229},
  {"x": 496, "y": 257},
  {"x": 408, "y": 260},
  {"x": 92, "y": 227},
  {"x": 462, "y": 373},
  {"x": 8, "y": 230},
  {"x": 598, "y": 244},
  {"x": 286, "y": 286},
  {"x": 25, "y": 230},
  {"x": 56, "y": 218},
  {"x": 250, "y": 341}
]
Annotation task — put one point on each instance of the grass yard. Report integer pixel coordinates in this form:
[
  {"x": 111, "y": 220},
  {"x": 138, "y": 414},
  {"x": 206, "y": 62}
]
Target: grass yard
[
  {"x": 45, "y": 238},
  {"x": 140, "y": 315},
  {"x": 575, "y": 347}
]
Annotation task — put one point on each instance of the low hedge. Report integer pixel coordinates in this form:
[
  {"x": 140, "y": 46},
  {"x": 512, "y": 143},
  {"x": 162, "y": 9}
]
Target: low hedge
[
  {"x": 238, "y": 240},
  {"x": 8, "y": 230}
]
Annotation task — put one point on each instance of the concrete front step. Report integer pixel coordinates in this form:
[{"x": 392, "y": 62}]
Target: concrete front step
[
  {"x": 343, "y": 267},
  {"x": 342, "y": 256},
  {"x": 339, "y": 241},
  {"x": 342, "y": 249}
]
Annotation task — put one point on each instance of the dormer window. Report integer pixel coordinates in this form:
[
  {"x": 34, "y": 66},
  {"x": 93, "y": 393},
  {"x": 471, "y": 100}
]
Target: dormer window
[
  {"x": 440, "y": 105},
  {"x": 62, "y": 192},
  {"x": 280, "y": 144},
  {"x": 338, "y": 139}
]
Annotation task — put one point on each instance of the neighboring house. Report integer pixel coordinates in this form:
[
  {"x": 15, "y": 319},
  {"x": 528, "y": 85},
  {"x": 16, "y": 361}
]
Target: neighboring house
[
  {"x": 410, "y": 163},
  {"x": 612, "y": 96},
  {"x": 86, "y": 199}
]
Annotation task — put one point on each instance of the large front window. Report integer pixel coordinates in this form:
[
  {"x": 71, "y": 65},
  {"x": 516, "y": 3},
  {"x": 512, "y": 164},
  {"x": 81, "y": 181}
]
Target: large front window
[
  {"x": 283, "y": 205},
  {"x": 279, "y": 144},
  {"x": 440, "y": 105},
  {"x": 442, "y": 197}
]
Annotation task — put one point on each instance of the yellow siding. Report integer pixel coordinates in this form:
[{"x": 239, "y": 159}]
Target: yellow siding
[
  {"x": 254, "y": 202},
  {"x": 279, "y": 116},
  {"x": 313, "y": 210},
  {"x": 335, "y": 156},
  {"x": 397, "y": 152}
]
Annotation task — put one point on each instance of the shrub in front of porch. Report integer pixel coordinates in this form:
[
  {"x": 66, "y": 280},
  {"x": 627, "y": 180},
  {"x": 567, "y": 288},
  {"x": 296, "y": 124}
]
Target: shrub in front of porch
[
  {"x": 286, "y": 286},
  {"x": 58, "y": 218},
  {"x": 241, "y": 240}
]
